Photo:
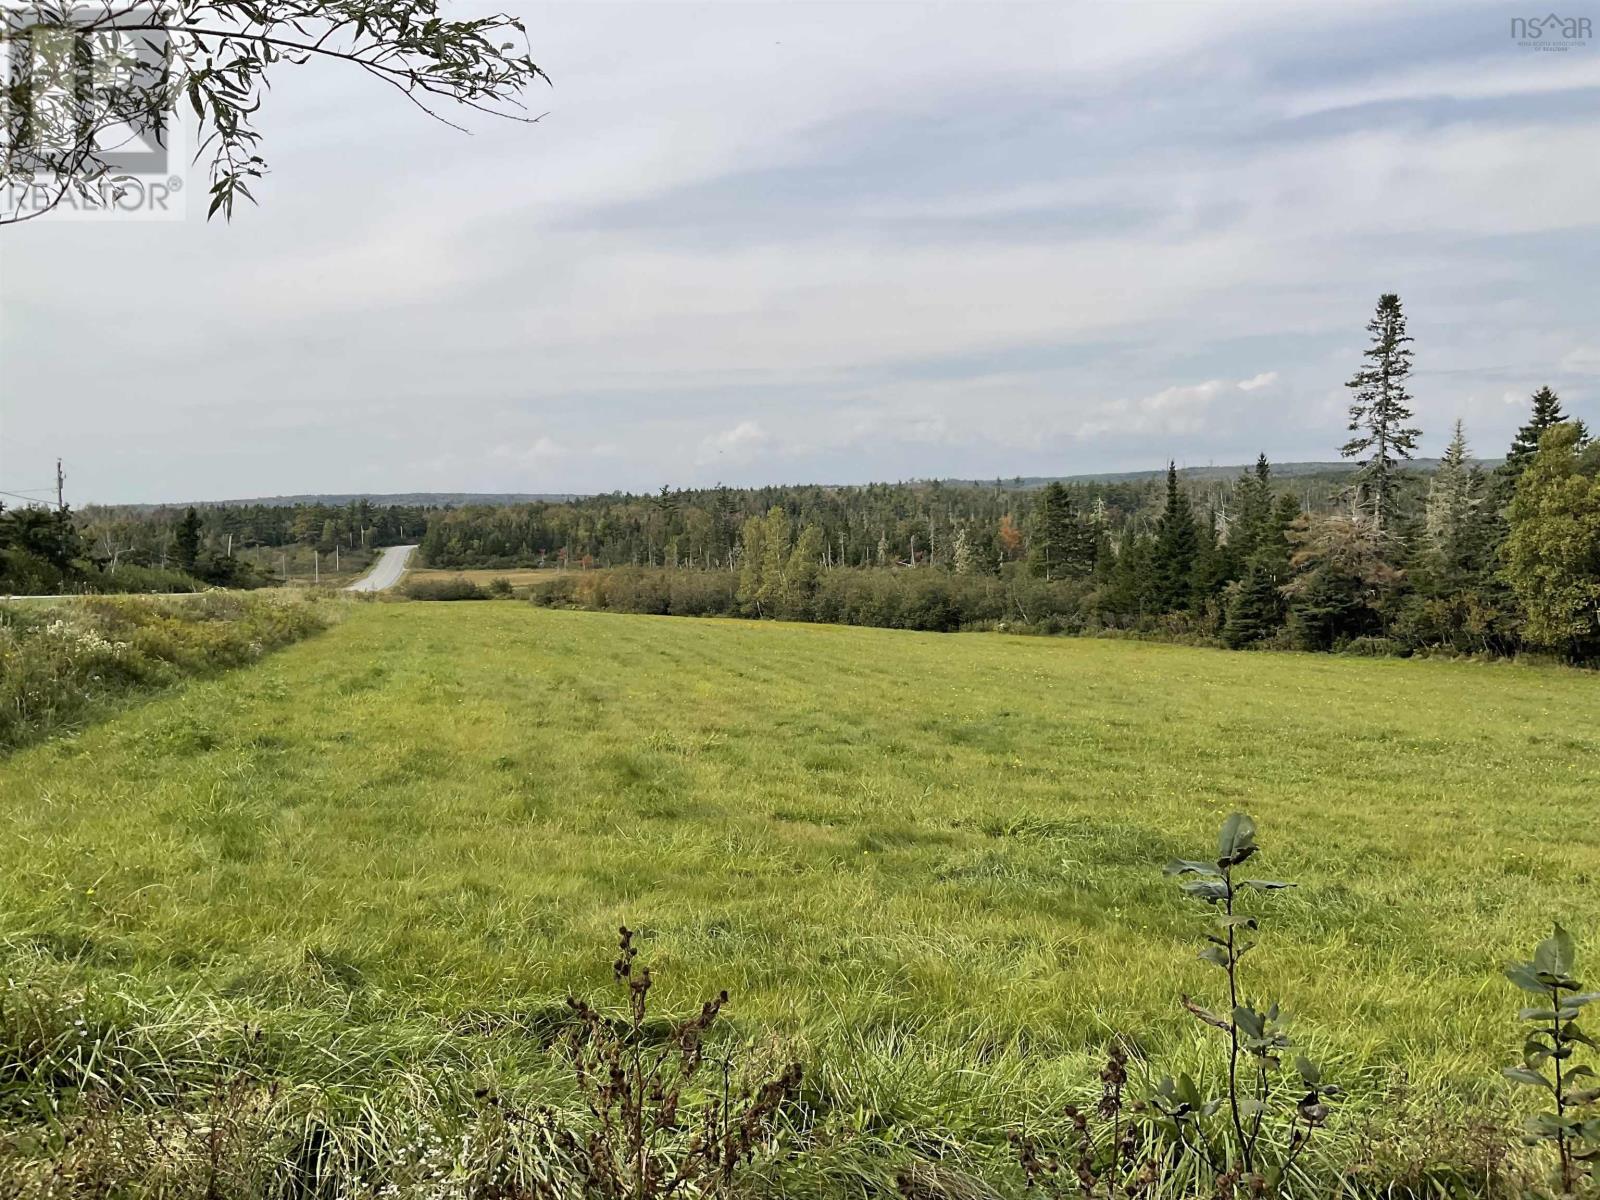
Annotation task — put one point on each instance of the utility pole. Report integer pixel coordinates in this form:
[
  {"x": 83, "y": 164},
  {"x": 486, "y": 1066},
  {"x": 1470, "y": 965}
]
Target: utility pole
[
  {"x": 61, "y": 481},
  {"x": 316, "y": 567}
]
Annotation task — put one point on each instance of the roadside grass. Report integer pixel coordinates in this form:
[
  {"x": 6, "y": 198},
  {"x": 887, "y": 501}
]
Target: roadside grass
[
  {"x": 63, "y": 663},
  {"x": 928, "y": 865}
]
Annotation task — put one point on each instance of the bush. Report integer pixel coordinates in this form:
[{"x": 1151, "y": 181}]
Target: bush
[
  {"x": 458, "y": 588},
  {"x": 60, "y": 662},
  {"x": 1374, "y": 647},
  {"x": 930, "y": 600}
]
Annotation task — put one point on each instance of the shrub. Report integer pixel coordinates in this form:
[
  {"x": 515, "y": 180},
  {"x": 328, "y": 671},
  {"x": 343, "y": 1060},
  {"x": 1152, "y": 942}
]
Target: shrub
[
  {"x": 1373, "y": 647},
  {"x": 458, "y": 588}
]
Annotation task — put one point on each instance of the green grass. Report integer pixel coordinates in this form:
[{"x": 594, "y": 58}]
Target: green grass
[{"x": 929, "y": 863}]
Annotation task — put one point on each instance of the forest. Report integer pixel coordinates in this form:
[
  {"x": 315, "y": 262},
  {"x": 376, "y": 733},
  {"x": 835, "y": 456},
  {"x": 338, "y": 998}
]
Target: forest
[{"x": 1490, "y": 555}]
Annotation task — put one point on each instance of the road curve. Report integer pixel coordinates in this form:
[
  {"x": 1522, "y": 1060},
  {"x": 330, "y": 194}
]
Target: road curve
[{"x": 385, "y": 572}]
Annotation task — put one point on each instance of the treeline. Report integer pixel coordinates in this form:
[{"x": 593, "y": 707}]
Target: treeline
[
  {"x": 1470, "y": 559},
  {"x": 170, "y": 549}
]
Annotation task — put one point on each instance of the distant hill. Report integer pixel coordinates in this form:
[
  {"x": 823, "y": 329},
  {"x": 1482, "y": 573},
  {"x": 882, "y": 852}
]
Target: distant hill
[
  {"x": 1333, "y": 471},
  {"x": 1291, "y": 470},
  {"x": 411, "y": 499}
]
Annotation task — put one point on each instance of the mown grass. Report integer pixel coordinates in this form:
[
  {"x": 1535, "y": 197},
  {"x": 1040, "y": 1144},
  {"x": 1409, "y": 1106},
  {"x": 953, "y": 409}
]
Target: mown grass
[{"x": 930, "y": 865}]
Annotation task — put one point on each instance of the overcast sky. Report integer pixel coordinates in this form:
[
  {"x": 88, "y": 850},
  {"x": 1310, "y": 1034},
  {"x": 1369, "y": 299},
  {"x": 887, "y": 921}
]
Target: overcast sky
[{"x": 787, "y": 241}]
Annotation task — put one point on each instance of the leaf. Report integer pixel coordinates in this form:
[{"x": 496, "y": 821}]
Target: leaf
[
  {"x": 1188, "y": 866},
  {"x": 1206, "y": 889},
  {"x": 1206, "y": 1015},
  {"x": 1217, "y": 956},
  {"x": 1531, "y": 1078},
  {"x": 1187, "y": 1090},
  {"x": 1250, "y": 1021},
  {"x": 1237, "y": 841},
  {"x": 1555, "y": 955},
  {"x": 1536, "y": 1014},
  {"x": 1522, "y": 974},
  {"x": 1268, "y": 885},
  {"x": 1581, "y": 1095},
  {"x": 1310, "y": 1073}
]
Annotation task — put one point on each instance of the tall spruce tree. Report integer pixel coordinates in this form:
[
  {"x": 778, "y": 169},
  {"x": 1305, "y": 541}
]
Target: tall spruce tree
[
  {"x": 1381, "y": 410},
  {"x": 1177, "y": 546}
]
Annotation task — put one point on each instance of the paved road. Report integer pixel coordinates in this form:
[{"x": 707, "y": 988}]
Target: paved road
[{"x": 385, "y": 572}]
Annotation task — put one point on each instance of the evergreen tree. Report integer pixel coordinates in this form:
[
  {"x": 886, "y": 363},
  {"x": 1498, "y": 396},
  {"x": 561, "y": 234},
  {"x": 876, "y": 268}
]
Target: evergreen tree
[
  {"x": 1546, "y": 414},
  {"x": 1177, "y": 546},
  {"x": 187, "y": 540},
  {"x": 1340, "y": 580},
  {"x": 1381, "y": 410},
  {"x": 1063, "y": 544},
  {"x": 1256, "y": 608},
  {"x": 1455, "y": 537},
  {"x": 1254, "y": 522},
  {"x": 1130, "y": 591}
]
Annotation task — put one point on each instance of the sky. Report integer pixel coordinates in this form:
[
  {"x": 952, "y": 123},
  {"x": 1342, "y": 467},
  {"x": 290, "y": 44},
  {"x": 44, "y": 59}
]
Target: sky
[{"x": 783, "y": 241}]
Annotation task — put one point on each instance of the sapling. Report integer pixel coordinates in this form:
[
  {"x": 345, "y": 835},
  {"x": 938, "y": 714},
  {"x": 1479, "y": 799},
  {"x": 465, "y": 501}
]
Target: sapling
[
  {"x": 1254, "y": 1137},
  {"x": 1574, "y": 1127}
]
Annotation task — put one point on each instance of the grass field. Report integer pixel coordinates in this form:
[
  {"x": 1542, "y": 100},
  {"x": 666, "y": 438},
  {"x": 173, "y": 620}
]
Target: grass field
[{"x": 928, "y": 864}]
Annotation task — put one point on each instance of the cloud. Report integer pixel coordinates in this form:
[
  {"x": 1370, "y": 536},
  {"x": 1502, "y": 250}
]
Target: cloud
[
  {"x": 1173, "y": 410},
  {"x": 1585, "y": 360},
  {"x": 540, "y": 449},
  {"x": 740, "y": 444},
  {"x": 980, "y": 240}
]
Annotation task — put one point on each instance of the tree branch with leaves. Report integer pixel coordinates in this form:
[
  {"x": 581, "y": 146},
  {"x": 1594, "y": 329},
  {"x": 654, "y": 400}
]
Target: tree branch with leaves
[{"x": 87, "y": 80}]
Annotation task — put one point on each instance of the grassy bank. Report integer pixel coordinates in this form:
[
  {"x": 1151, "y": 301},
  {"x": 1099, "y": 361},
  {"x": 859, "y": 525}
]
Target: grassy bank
[
  {"x": 928, "y": 866},
  {"x": 62, "y": 663}
]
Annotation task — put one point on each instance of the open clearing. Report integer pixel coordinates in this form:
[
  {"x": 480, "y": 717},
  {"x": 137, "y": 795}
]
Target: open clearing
[{"x": 933, "y": 862}]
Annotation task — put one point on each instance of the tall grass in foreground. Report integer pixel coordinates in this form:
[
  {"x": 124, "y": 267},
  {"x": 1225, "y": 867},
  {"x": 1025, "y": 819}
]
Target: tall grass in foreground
[
  {"x": 308, "y": 929},
  {"x": 59, "y": 663}
]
